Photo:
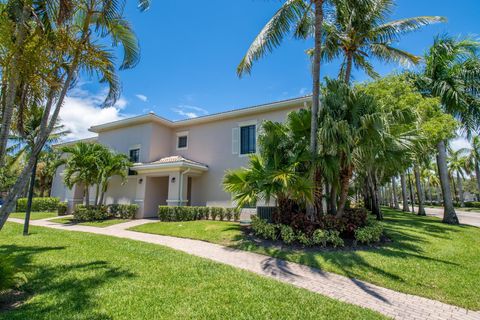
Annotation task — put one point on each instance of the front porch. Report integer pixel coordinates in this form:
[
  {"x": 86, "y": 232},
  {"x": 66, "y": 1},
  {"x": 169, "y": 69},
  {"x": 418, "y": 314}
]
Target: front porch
[{"x": 167, "y": 181}]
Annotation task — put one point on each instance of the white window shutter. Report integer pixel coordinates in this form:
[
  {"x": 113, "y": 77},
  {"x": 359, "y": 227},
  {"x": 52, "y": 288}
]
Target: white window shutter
[{"x": 235, "y": 140}]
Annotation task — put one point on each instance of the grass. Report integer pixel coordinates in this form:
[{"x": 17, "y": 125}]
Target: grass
[
  {"x": 86, "y": 276},
  {"x": 221, "y": 232},
  {"x": 425, "y": 258},
  {"x": 100, "y": 224},
  {"x": 34, "y": 215}
]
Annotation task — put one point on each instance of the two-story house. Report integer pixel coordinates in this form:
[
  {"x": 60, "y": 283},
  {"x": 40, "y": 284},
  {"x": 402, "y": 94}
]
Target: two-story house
[{"x": 179, "y": 162}]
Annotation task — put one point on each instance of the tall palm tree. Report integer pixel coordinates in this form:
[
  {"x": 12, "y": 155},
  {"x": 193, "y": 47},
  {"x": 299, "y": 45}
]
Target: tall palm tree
[
  {"x": 360, "y": 32},
  {"x": 457, "y": 168},
  {"x": 22, "y": 144},
  {"x": 451, "y": 73},
  {"x": 302, "y": 16},
  {"x": 474, "y": 159}
]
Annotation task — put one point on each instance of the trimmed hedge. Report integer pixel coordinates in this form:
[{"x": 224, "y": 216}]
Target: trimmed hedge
[
  {"x": 472, "y": 204},
  {"x": 172, "y": 213},
  {"x": 62, "y": 208},
  {"x": 38, "y": 204},
  {"x": 95, "y": 213}
]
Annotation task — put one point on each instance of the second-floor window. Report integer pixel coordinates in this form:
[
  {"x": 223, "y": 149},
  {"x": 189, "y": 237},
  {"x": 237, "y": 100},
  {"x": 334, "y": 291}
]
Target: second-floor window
[
  {"x": 134, "y": 155},
  {"x": 182, "y": 142},
  {"x": 248, "y": 139}
]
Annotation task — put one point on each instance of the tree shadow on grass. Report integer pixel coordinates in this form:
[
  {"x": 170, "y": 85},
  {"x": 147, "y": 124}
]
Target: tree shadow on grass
[
  {"x": 409, "y": 235},
  {"x": 57, "y": 291}
]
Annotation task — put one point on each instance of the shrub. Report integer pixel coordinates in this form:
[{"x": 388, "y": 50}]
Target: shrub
[
  {"x": 123, "y": 211},
  {"x": 170, "y": 213},
  {"x": 90, "y": 213},
  {"x": 38, "y": 204},
  {"x": 62, "y": 208},
  {"x": 472, "y": 204},
  {"x": 229, "y": 213},
  {"x": 371, "y": 233},
  {"x": 264, "y": 229},
  {"x": 304, "y": 239},
  {"x": 287, "y": 234},
  {"x": 320, "y": 237},
  {"x": 236, "y": 214},
  {"x": 221, "y": 213},
  {"x": 333, "y": 237}
]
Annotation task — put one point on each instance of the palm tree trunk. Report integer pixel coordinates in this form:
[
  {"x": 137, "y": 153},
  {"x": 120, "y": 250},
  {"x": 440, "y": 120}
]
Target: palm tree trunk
[
  {"x": 460, "y": 189},
  {"x": 30, "y": 199},
  {"x": 348, "y": 70},
  {"x": 333, "y": 199},
  {"x": 13, "y": 79},
  {"x": 421, "y": 208},
  {"x": 477, "y": 175},
  {"x": 449, "y": 215},
  {"x": 395, "y": 199},
  {"x": 404, "y": 192},
  {"x": 345, "y": 177},
  {"x": 316, "y": 95},
  {"x": 97, "y": 194},
  {"x": 87, "y": 194},
  {"x": 412, "y": 198}
]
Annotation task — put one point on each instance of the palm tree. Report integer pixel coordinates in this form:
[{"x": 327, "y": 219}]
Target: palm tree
[
  {"x": 429, "y": 175},
  {"x": 359, "y": 32},
  {"x": 110, "y": 164},
  {"x": 302, "y": 16},
  {"x": 451, "y": 74},
  {"x": 279, "y": 171},
  {"x": 23, "y": 143},
  {"x": 474, "y": 159},
  {"x": 457, "y": 168}
]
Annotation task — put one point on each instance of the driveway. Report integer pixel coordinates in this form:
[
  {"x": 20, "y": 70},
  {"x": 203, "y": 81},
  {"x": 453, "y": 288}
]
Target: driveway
[{"x": 465, "y": 217}]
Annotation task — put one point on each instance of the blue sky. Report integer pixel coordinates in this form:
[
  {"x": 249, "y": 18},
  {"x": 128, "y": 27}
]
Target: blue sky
[{"x": 190, "y": 50}]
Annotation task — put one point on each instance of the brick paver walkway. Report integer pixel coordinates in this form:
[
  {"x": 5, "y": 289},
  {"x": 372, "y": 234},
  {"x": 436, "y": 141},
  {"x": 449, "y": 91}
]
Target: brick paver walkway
[{"x": 388, "y": 302}]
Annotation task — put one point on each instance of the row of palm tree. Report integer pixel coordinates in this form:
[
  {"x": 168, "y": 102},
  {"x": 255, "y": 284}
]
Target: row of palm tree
[{"x": 356, "y": 31}]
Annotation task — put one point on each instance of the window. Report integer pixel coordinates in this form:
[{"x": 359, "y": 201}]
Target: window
[
  {"x": 247, "y": 139},
  {"x": 134, "y": 156},
  {"x": 182, "y": 142}
]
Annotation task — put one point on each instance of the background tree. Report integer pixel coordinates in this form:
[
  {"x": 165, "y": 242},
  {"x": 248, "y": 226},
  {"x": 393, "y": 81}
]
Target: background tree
[{"x": 451, "y": 73}]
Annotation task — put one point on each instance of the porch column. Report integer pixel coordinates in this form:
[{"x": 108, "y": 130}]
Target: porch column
[
  {"x": 140, "y": 195},
  {"x": 177, "y": 189}
]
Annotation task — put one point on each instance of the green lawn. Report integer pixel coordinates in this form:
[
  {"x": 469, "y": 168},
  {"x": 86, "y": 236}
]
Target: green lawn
[
  {"x": 426, "y": 257},
  {"x": 85, "y": 276},
  {"x": 221, "y": 232},
  {"x": 33, "y": 215},
  {"x": 100, "y": 224}
]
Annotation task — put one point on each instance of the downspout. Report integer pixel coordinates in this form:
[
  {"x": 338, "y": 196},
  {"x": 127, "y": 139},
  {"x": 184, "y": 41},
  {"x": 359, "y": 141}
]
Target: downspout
[{"x": 180, "y": 191}]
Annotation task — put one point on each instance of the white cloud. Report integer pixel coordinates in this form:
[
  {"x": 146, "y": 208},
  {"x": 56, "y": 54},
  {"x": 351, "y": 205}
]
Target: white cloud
[
  {"x": 81, "y": 110},
  {"x": 142, "y": 97},
  {"x": 189, "y": 111},
  {"x": 303, "y": 91}
]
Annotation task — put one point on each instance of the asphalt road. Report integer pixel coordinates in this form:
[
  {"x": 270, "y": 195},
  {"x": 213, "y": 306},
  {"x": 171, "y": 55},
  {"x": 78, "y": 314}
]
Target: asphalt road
[{"x": 465, "y": 217}]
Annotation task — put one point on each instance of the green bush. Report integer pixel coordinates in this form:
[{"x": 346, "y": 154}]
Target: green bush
[
  {"x": 62, "y": 208},
  {"x": 371, "y": 233},
  {"x": 287, "y": 234},
  {"x": 38, "y": 204},
  {"x": 236, "y": 214},
  {"x": 472, "y": 204},
  {"x": 333, "y": 237},
  {"x": 229, "y": 212},
  {"x": 170, "y": 213},
  {"x": 91, "y": 213},
  {"x": 264, "y": 229},
  {"x": 320, "y": 237},
  {"x": 123, "y": 211},
  {"x": 304, "y": 239}
]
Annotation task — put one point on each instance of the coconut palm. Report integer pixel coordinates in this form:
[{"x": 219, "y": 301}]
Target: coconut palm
[
  {"x": 302, "y": 16},
  {"x": 430, "y": 177},
  {"x": 451, "y": 73},
  {"x": 360, "y": 32},
  {"x": 474, "y": 158},
  {"x": 458, "y": 167}
]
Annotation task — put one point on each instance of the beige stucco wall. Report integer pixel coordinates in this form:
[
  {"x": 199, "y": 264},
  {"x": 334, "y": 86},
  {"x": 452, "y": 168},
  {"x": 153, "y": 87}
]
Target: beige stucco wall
[
  {"x": 121, "y": 193},
  {"x": 156, "y": 191}
]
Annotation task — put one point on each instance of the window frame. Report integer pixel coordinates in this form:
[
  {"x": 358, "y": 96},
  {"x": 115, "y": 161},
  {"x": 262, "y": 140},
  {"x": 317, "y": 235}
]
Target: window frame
[
  {"x": 133, "y": 148},
  {"x": 181, "y": 135},
  {"x": 244, "y": 125}
]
